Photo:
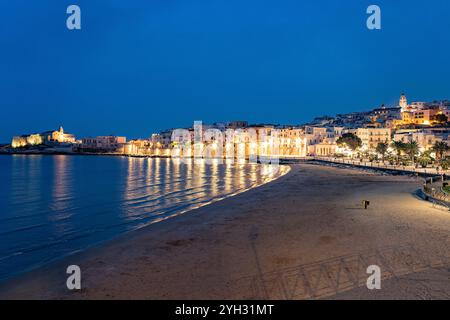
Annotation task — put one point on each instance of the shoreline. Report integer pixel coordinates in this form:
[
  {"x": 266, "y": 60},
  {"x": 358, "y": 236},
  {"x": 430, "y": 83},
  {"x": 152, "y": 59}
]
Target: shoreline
[
  {"x": 306, "y": 218},
  {"x": 77, "y": 154},
  {"x": 283, "y": 161},
  {"x": 283, "y": 170}
]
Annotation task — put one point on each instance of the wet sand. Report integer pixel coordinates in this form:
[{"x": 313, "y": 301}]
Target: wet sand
[{"x": 303, "y": 236}]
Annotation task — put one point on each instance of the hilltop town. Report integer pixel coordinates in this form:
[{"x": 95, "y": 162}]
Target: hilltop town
[{"x": 416, "y": 131}]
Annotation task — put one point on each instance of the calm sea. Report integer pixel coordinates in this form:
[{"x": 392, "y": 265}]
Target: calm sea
[{"x": 52, "y": 206}]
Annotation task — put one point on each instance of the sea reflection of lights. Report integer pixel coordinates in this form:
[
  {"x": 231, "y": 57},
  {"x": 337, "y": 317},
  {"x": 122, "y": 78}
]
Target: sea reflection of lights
[
  {"x": 241, "y": 175},
  {"x": 168, "y": 175},
  {"x": 269, "y": 170},
  {"x": 176, "y": 165},
  {"x": 61, "y": 183},
  {"x": 106, "y": 197},
  {"x": 149, "y": 171},
  {"x": 189, "y": 172},
  {"x": 158, "y": 170},
  {"x": 63, "y": 195},
  {"x": 228, "y": 175},
  {"x": 200, "y": 180},
  {"x": 26, "y": 169},
  {"x": 215, "y": 177},
  {"x": 130, "y": 184},
  {"x": 254, "y": 173},
  {"x": 158, "y": 183}
]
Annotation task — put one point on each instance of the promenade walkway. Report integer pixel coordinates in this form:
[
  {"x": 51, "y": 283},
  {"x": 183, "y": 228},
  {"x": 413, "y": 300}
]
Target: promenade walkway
[{"x": 433, "y": 183}]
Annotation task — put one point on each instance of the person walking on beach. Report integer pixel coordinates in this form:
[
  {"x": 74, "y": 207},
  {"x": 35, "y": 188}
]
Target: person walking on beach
[{"x": 366, "y": 204}]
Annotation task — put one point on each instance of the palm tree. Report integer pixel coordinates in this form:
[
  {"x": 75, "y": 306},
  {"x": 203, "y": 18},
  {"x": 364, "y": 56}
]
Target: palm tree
[
  {"x": 445, "y": 164},
  {"x": 440, "y": 147},
  {"x": 382, "y": 148},
  {"x": 398, "y": 146},
  {"x": 412, "y": 149},
  {"x": 424, "y": 160}
]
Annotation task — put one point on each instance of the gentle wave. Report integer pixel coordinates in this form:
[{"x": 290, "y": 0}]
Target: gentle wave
[{"x": 53, "y": 206}]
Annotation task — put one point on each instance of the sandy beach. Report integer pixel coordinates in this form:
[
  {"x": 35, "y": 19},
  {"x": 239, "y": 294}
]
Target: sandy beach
[{"x": 303, "y": 236}]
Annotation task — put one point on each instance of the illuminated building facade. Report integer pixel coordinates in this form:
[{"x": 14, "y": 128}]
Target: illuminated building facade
[
  {"x": 422, "y": 113},
  {"x": 47, "y": 138},
  {"x": 104, "y": 144},
  {"x": 371, "y": 137}
]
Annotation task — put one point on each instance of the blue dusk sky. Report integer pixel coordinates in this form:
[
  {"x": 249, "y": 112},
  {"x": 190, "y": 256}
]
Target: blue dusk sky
[{"x": 139, "y": 66}]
